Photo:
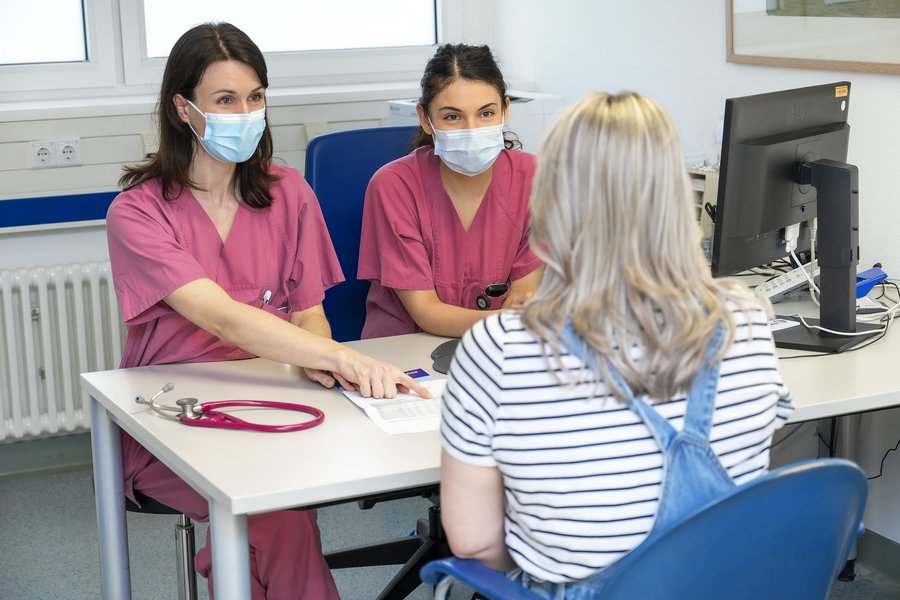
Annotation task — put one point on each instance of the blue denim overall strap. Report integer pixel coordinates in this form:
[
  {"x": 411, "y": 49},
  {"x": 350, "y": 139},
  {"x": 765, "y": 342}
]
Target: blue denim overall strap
[{"x": 692, "y": 474}]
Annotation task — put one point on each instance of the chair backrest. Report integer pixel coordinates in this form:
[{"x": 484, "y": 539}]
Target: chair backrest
[
  {"x": 338, "y": 168},
  {"x": 784, "y": 535}
]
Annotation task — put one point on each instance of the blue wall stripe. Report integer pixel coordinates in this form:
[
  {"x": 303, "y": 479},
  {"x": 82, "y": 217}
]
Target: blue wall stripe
[{"x": 55, "y": 209}]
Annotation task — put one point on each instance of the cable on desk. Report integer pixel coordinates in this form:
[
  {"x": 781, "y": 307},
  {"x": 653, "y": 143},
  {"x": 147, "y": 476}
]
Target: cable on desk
[
  {"x": 881, "y": 333},
  {"x": 860, "y": 346},
  {"x": 841, "y": 333},
  {"x": 881, "y": 468},
  {"x": 883, "y": 286},
  {"x": 809, "y": 355},
  {"x": 872, "y": 341}
]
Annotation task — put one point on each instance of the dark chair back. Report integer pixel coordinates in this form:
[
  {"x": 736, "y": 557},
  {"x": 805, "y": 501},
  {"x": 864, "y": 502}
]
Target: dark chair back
[{"x": 339, "y": 166}]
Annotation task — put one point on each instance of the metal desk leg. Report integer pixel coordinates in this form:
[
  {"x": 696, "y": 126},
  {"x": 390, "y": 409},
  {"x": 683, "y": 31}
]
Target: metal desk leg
[
  {"x": 230, "y": 553},
  {"x": 844, "y": 446},
  {"x": 106, "y": 446}
]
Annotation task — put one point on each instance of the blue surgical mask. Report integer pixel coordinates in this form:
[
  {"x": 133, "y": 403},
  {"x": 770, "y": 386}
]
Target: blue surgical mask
[
  {"x": 469, "y": 151},
  {"x": 231, "y": 138}
]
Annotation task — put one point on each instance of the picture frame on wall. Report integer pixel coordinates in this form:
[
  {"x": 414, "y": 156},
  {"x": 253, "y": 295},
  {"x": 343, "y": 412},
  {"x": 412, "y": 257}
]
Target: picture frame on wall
[{"x": 839, "y": 35}]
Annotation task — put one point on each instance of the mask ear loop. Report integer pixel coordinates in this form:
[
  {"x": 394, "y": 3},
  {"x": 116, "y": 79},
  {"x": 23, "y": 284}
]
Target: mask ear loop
[
  {"x": 191, "y": 125},
  {"x": 433, "y": 129},
  {"x": 197, "y": 135}
]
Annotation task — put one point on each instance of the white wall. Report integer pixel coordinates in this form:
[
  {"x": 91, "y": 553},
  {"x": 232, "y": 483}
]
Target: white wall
[
  {"x": 675, "y": 52},
  {"x": 111, "y": 136}
]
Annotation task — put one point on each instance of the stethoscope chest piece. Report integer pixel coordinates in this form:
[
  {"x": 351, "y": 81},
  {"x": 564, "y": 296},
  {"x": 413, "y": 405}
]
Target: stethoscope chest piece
[
  {"x": 189, "y": 411},
  {"x": 189, "y": 408}
]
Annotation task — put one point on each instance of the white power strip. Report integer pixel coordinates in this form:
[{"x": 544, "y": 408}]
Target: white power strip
[{"x": 777, "y": 289}]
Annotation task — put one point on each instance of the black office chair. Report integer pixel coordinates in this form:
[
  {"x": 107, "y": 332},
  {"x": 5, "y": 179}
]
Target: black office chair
[
  {"x": 339, "y": 166},
  {"x": 184, "y": 542}
]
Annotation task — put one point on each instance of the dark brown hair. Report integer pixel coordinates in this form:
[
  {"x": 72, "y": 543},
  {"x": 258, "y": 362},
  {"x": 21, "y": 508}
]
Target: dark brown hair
[
  {"x": 460, "y": 61},
  {"x": 191, "y": 55}
]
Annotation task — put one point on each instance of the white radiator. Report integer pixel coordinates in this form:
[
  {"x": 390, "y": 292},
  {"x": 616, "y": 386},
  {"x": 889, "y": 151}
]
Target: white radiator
[{"x": 55, "y": 323}]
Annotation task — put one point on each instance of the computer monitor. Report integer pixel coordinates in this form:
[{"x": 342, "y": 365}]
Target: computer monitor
[{"x": 783, "y": 163}]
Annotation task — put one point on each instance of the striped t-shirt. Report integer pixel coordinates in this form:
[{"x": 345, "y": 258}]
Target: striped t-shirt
[{"x": 581, "y": 472}]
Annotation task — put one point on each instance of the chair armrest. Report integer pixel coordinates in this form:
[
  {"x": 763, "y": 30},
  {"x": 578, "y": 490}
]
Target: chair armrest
[{"x": 486, "y": 581}]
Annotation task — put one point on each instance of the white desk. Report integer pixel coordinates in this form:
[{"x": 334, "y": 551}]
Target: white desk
[
  {"x": 840, "y": 384},
  {"x": 243, "y": 472},
  {"x": 347, "y": 456}
]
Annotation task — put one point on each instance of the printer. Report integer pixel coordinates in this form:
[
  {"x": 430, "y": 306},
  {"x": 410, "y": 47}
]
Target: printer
[{"x": 530, "y": 115}]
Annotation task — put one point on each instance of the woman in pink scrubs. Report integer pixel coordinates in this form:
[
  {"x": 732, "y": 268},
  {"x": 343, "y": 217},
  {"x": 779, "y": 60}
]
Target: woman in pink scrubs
[
  {"x": 445, "y": 228},
  {"x": 218, "y": 254}
]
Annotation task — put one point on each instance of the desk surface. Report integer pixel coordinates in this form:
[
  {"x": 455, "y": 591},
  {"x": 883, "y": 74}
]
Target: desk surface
[
  {"x": 347, "y": 456},
  {"x": 831, "y": 385}
]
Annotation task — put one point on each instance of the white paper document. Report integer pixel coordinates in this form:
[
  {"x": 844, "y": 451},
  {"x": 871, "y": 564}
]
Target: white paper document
[
  {"x": 779, "y": 323},
  {"x": 406, "y": 413}
]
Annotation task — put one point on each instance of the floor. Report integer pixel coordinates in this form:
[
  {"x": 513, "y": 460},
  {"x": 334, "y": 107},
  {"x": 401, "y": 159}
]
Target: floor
[
  {"x": 53, "y": 552},
  {"x": 49, "y": 544}
]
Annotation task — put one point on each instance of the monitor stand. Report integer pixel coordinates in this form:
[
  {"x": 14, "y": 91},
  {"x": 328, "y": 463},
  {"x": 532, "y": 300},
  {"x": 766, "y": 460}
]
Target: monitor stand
[
  {"x": 801, "y": 338},
  {"x": 837, "y": 210}
]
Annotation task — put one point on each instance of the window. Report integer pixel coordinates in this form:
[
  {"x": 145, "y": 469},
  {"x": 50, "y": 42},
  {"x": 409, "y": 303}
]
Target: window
[
  {"x": 52, "y": 41},
  {"x": 311, "y": 24},
  {"x": 118, "y": 47},
  {"x": 50, "y": 31},
  {"x": 307, "y": 42}
]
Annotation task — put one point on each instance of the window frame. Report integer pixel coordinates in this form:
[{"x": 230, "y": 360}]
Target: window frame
[{"x": 98, "y": 71}]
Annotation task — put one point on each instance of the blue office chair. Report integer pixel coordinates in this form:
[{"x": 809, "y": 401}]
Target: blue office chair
[
  {"x": 783, "y": 535},
  {"x": 338, "y": 168}
]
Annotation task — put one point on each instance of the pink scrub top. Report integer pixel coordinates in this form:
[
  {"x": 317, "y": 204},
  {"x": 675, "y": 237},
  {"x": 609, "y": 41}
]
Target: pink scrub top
[
  {"x": 156, "y": 246},
  {"x": 412, "y": 238}
]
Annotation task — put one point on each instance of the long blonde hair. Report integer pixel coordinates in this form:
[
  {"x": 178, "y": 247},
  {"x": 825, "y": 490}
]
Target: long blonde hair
[{"x": 613, "y": 218}]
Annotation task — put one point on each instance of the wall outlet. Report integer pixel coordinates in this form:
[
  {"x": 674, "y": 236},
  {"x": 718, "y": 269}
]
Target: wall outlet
[
  {"x": 68, "y": 152},
  {"x": 41, "y": 155},
  {"x": 54, "y": 153}
]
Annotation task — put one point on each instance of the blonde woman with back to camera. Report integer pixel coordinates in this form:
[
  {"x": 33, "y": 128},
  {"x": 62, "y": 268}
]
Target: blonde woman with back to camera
[{"x": 551, "y": 468}]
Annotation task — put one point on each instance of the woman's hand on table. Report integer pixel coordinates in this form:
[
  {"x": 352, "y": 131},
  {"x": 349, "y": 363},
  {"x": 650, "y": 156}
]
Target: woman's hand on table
[{"x": 372, "y": 378}]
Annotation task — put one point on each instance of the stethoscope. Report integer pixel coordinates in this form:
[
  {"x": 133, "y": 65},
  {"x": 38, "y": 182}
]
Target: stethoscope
[{"x": 190, "y": 412}]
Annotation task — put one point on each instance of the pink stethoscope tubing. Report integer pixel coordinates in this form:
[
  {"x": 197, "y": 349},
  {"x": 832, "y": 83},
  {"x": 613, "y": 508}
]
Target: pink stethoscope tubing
[
  {"x": 189, "y": 412},
  {"x": 215, "y": 418}
]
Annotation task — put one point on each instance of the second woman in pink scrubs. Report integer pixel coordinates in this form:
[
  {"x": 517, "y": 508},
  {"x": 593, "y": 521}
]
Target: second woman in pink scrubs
[{"x": 445, "y": 228}]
